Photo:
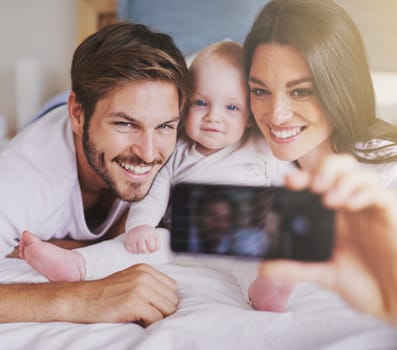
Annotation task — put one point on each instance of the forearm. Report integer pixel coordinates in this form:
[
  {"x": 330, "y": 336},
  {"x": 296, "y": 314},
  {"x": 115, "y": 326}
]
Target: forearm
[
  {"x": 43, "y": 302},
  {"x": 138, "y": 293}
]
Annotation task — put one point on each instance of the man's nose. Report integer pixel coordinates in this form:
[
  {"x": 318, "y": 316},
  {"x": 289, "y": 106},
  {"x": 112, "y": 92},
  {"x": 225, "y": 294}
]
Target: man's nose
[
  {"x": 144, "y": 146},
  {"x": 282, "y": 110}
]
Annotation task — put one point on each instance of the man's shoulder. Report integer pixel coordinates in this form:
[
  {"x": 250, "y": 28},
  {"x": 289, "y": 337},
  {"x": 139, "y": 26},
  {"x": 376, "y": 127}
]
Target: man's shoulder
[
  {"x": 45, "y": 140},
  {"x": 44, "y": 151}
]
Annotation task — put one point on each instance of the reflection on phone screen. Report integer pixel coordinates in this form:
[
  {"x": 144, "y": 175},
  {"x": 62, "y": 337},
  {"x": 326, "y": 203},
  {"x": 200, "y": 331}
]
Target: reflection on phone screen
[{"x": 266, "y": 222}]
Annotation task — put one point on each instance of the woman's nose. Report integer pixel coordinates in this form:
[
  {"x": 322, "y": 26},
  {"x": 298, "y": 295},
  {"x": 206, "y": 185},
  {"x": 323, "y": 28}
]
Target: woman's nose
[{"x": 281, "y": 111}]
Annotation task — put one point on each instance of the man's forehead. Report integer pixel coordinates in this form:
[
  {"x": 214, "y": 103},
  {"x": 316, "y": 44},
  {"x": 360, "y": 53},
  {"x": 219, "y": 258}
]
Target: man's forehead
[{"x": 142, "y": 102}]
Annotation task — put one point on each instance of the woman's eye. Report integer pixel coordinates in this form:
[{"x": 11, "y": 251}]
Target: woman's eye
[
  {"x": 259, "y": 92},
  {"x": 200, "y": 103},
  {"x": 300, "y": 93},
  {"x": 232, "y": 107}
]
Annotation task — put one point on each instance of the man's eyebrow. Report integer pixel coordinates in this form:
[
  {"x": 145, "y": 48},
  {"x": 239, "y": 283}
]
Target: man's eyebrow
[
  {"x": 173, "y": 120},
  {"x": 289, "y": 84},
  {"x": 136, "y": 121},
  {"x": 122, "y": 115}
]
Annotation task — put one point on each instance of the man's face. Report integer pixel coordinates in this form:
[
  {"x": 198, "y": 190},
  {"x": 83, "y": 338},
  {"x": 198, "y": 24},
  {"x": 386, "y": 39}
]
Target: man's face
[
  {"x": 216, "y": 220},
  {"x": 131, "y": 135}
]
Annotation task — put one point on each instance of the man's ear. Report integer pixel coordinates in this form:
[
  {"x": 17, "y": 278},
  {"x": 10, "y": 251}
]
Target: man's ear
[{"x": 76, "y": 114}]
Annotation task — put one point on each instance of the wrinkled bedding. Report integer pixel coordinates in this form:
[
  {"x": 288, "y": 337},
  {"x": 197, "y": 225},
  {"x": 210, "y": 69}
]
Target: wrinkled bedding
[{"x": 212, "y": 315}]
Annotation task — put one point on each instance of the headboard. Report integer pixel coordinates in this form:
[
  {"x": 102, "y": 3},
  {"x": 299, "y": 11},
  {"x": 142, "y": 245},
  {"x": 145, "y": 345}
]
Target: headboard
[{"x": 193, "y": 24}]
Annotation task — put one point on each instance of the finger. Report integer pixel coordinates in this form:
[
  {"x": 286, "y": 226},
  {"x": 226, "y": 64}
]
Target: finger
[
  {"x": 297, "y": 180},
  {"x": 136, "y": 246},
  {"x": 163, "y": 301},
  {"x": 148, "y": 315},
  {"x": 158, "y": 291},
  {"x": 329, "y": 170},
  {"x": 158, "y": 275},
  {"x": 153, "y": 243},
  {"x": 319, "y": 273},
  {"x": 141, "y": 245},
  {"x": 348, "y": 185},
  {"x": 377, "y": 198},
  {"x": 153, "y": 288}
]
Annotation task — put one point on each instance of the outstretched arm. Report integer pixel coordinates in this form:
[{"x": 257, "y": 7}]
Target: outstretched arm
[
  {"x": 137, "y": 294},
  {"x": 363, "y": 269}
]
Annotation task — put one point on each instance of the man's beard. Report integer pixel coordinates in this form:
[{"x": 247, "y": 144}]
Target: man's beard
[{"x": 96, "y": 159}]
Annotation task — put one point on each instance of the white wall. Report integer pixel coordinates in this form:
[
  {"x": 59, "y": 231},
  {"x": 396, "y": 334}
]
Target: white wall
[
  {"x": 377, "y": 21},
  {"x": 43, "y": 30}
]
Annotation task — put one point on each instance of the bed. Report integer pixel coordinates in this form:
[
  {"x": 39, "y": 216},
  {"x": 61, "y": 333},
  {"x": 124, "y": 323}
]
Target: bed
[{"x": 212, "y": 314}]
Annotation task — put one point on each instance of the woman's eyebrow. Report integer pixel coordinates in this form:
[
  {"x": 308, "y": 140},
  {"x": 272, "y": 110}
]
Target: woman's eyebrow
[
  {"x": 299, "y": 81},
  {"x": 288, "y": 85},
  {"x": 256, "y": 81}
]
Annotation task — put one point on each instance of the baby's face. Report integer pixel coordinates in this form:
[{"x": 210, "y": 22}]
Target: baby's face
[{"x": 219, "y": 114}]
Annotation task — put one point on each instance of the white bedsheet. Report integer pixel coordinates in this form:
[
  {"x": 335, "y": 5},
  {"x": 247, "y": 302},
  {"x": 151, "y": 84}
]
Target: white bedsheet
[{"x": 212, "y": 315}]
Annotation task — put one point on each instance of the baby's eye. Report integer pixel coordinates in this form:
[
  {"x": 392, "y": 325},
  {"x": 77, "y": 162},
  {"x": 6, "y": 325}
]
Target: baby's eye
[
  {"x": 232, "y": 107},
  {"x": 200, "y": 103},
  {"x": 301, "y": 93},
  {"x": 259, "y": 92}
]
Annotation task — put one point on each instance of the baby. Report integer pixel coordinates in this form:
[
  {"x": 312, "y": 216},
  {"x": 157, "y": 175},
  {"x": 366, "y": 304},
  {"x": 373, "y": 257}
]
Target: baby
[{"x": 219, "y": 144}]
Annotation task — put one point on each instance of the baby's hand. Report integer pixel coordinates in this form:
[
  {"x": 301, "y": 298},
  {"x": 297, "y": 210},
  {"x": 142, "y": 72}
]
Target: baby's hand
[{"x": 142, "y": 239}]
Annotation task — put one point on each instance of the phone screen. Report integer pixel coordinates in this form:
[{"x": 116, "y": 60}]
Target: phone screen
[{"x": 261, "y": 222}]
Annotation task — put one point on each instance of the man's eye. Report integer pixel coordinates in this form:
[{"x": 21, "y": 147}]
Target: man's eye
[
  {"x": 124, "y": 124},
  {"x": 259, "y": 92},
  {"x": 300, "y": 93},
  {"x": 200, "y": 103},
  {"x": 232, "y": 107},
  {"x": 166, "y": 127}
]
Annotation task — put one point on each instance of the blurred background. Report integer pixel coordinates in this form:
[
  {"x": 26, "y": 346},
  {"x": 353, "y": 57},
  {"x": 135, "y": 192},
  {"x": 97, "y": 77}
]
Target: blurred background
[{"x": 38, "y": 39}]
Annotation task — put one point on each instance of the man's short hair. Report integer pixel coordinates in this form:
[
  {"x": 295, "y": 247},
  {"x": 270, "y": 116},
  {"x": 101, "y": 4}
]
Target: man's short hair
[{"x": 122, "y": 53}]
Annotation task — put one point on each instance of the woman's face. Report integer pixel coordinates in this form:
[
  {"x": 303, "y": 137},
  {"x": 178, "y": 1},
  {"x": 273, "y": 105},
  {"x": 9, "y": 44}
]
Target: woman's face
[{"x": 285, "y": 106}]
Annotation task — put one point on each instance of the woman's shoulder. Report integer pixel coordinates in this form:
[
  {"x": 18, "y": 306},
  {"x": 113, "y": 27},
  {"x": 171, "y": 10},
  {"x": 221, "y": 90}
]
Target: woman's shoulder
[{"x": 386, "y": 172}]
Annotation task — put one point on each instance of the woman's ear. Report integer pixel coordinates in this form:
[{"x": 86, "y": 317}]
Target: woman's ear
[{"x": 76, "y": 114}]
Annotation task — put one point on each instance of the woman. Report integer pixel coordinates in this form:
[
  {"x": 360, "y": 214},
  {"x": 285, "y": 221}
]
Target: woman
[{"x": 312, "y": 97}]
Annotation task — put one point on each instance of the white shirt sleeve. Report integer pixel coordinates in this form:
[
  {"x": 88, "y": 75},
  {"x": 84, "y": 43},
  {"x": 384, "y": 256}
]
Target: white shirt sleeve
[{"x": 152, "y": 208}]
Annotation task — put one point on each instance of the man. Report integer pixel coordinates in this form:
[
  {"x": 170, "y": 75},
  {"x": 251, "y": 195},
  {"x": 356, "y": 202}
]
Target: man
[
  {"x": 217, "y": 216},
  {"x": 71, "y": 174}
]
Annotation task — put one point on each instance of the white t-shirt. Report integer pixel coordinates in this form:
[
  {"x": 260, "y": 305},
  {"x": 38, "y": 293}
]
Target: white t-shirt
[{"x": 39, "y": 185}]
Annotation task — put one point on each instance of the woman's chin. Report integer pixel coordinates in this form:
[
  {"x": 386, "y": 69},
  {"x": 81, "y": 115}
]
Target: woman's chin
[{"x": 286, "y": 156}]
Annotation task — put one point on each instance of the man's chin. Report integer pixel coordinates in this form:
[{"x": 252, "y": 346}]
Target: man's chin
[{"x": 135, "y": 194}]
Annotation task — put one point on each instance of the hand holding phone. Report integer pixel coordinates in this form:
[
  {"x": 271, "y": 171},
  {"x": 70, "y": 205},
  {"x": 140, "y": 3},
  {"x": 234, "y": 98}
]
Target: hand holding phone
[{"x": 261, "y": 222}]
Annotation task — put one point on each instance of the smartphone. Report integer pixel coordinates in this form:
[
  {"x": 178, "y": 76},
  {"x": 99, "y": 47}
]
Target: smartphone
[{"x": 256, "y": 222}]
